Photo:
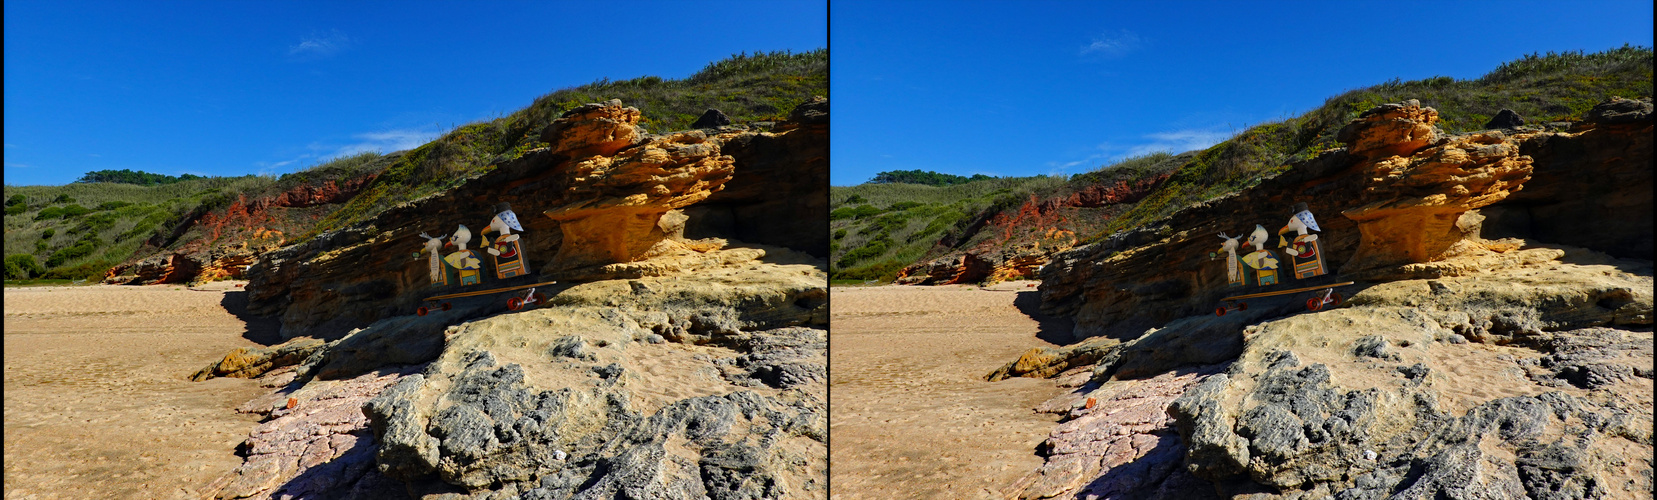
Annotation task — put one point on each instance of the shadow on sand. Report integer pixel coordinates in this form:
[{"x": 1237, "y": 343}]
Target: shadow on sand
[{"x": 1053, "y": 329}]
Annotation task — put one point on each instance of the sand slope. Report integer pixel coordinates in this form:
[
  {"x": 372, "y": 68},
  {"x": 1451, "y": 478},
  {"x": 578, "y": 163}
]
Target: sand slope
[
  {"x": 910, "y": 414},
  {"x": 97, "y": 404}
]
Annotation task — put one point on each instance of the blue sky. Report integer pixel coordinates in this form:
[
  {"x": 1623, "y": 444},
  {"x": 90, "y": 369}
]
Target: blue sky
[
  {"x": 251, "y": 87},
  {"x": 1033, "y": 88}
]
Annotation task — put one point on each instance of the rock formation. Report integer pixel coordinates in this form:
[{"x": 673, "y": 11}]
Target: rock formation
[
  {"x": 1414, "y": 206},
  {"x": 660, "y": 367},
  {"x": 1140, "y": 279},
  {"x": 617, "y": 202},
  {"x": 1532, "y": 380},
  {"x": 1489, "y": 355},
  {"x": 601, "y": 174}
]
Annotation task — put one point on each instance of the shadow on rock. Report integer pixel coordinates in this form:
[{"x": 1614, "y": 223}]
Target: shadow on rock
[
  {"x": 265, "y": 331},
  {"x": 1057, "y": 330}
]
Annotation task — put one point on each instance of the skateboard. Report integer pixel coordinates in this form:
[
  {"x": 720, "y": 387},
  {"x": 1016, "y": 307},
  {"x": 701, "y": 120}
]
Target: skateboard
[
  {"x": 513, "y": 303},
  {"x": 1329, "y": 297}
]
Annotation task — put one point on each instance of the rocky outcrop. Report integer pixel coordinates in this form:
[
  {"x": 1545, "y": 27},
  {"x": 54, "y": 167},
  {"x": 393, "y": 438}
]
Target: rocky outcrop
[
  {"x": 637, "y": 388},
  {"x": 315, "y": 443},
  {"x": 1528, "y": 380},
  {"x": 1145, "y": 278},
  {"x": 253, "y": 363},
  {"x": 957, "y": 269},
  {"x": 1414, "y": 208},
  {"x": 1589, "y": 188},
  {"x": 616, "y": 203},
  {"x": 600, "y": 174},
  {"x": 778, "y": 194}
]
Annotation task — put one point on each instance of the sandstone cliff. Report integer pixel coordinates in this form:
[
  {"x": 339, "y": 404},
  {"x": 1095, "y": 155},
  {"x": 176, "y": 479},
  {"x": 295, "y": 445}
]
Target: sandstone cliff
[
  {"x": 603, "y": 174},
  {"x": 661, "y": 366},
  {"x": 1485, "y": 352},
  {"x": 1146, "y": 277}
]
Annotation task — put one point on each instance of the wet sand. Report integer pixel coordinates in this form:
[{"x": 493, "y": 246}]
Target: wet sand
[
  {"x": 97, "y": 400},
  {"x": 910, "y": 413}
]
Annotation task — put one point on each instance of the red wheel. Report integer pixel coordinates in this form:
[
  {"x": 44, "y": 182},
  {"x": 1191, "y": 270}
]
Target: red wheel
[
  {"x": 1219, "y": 311},
  {"x": 448, "y": 306},
  {"x": 514, "y": 303},
  {"x": 1314, "y": 303},
  {"x": 1334, "y": 299},
  {"x": 1242, "y": 305},
  {"x": 540, "y": 299},
  {"x": 421, "y": 311}
]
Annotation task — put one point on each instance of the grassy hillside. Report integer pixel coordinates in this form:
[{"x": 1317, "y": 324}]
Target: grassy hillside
[
  {"x": 879, "y": 228},
  {"x": 80, "y": 230},
  {"x": 1541, "y": 88},
  {"x": 747, "y": 88}
]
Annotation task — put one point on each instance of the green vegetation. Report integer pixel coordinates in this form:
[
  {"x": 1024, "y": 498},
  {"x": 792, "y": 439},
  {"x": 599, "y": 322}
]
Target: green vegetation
[
  {"x": 138, "y": 214},
  {"x": 1541, "y": 88},
  {"x": 129, "y": 220},
  {"x": 893, "y": 225},
  {"x": 125, "y": 176},
  {"x": 924, "y": 177},
  {"x": 901, "y": 218},
  {"x": 747, "y": 88}
]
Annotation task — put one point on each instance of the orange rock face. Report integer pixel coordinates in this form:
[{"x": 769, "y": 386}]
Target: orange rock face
[
  {"x": 618, "y": 201},
  {"x": 594, "y": 129},
  {"x": 1416, "y": 207},
  {"x": 1390, "y": 130}
]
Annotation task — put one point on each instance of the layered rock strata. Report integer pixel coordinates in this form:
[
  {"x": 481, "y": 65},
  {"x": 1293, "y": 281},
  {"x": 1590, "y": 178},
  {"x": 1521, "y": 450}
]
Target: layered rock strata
[
  {"x": 1144, "y": 278},
  {"x": 601, "y": 173},
  {"x": 1531, "y": 379}
]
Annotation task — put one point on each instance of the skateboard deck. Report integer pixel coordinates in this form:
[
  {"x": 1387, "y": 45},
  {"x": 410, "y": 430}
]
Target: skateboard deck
[
  {"x": 1235, "y": 302},
  {"x": 475, "y": 293},
  {"x": 1284, "y": 292}
]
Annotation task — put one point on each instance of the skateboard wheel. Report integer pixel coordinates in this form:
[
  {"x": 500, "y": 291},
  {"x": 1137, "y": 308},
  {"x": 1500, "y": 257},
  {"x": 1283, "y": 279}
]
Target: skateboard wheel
[
  {"x": 1219, "y": 311},
  {"x": 1334, "y": 299},
  {"x": 421, "y": 311},
  {"x": 1242, "y": 306},
  {"x": 514, "y": 303},
  {"x": 1314, "y": 303},
  {"x": 540, "y": 298},
  {"x": 448, "y": 306}
]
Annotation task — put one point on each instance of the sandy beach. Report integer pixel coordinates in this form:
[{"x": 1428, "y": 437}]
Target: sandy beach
[
  {"x": 911, "y": 416},
  {"x": 97, "y": 400}
]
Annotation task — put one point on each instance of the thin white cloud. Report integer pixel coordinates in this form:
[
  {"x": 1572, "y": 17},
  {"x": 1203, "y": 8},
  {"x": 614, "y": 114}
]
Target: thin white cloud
[
  {"x": 18, "y": 165},
  {"x": 10, "y": 145},
  {"x": 1179, "y": 141},
  {"x": 320, "y": 44},
  {"x": 1113, "y": 43},
  {"x": 385, "y": 141}
]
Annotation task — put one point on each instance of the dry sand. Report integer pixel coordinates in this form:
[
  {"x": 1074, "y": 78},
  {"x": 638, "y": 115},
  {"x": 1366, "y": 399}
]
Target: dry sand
[
  {"x": 97, "y": 404},
  {"x": 910, "y": 413}
]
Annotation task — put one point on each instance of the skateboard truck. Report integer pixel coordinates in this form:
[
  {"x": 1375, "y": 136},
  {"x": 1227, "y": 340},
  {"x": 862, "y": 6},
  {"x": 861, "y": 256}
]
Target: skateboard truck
[{"x": 529, "y": 298}]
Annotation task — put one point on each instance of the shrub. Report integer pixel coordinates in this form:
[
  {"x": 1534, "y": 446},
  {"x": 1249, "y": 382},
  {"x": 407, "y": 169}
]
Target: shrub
[
  {"x": 75, "y": 211},
  {"x": 16, "y": 209},
  {"x": 89, "y": 270},
  {"x": 22, "y": 266},
  {"x": 63, "y": 198},
  {"x": 48, "y": 233},
  {"x": 17, "y": 199},
  {"x": 112, "y": 205},
  {"x": 839, "y": 233},
  {"x": 79, "y": 249},
  {"x": 49, "y": 213}
]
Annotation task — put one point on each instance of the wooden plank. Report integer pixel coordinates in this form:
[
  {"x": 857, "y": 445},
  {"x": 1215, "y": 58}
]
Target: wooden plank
[
  {"x": 1284, "y": 292},
  {"x": 475, "y": 293}
]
